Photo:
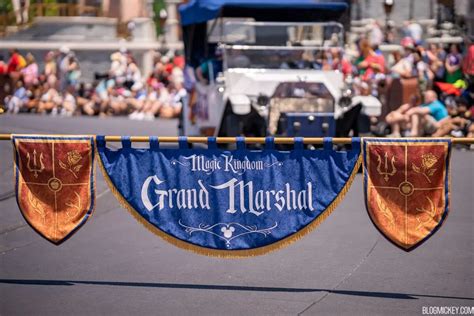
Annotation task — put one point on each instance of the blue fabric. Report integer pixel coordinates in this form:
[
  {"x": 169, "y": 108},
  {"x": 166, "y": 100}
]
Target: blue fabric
[
  {"x": 437, "y": 110},
  {"x": 200, "y": 183},
  {"x": 199, "y": 11}
]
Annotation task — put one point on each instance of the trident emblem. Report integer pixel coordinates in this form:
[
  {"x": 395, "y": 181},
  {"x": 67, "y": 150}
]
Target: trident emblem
[
  {"x": 35, "y": 168},
  {"x": 386, "y": 173}
]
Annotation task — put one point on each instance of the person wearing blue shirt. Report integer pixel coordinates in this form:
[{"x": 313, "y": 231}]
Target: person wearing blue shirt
[
  {"x": 429, "y": 116},
  {"x": 209, "y": 69},
  {"x": 18, "y": 100}
]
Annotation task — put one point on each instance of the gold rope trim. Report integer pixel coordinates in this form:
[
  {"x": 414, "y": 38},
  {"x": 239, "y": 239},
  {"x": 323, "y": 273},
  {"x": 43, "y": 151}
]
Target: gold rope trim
[{"x": 231, "y": 253}]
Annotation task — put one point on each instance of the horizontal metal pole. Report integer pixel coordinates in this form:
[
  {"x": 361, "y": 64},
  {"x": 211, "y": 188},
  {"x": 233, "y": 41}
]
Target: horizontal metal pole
[{"x": 248, "y": 140}]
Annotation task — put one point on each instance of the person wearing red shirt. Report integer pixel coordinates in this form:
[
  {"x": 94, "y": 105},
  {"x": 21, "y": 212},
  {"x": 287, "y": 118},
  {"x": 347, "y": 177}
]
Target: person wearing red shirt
[
  {"x": 178, "y": 60},
  {"x": 339, "y": 62},
  {"x": 14, "y": 62},
  {"x": 372, "y": 63}
]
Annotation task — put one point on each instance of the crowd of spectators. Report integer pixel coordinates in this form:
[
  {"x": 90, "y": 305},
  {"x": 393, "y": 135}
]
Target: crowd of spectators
[
  {"x": 58, "y": 88},
  {"x": 442, "y": 103}
]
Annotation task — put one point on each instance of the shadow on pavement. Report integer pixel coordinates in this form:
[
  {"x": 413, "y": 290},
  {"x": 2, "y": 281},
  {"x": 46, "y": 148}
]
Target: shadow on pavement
[{"x": 405, "y": 296}]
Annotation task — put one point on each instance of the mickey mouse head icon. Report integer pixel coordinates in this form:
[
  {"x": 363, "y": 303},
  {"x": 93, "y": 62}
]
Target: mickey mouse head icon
[{"x": 228, "y": 231}]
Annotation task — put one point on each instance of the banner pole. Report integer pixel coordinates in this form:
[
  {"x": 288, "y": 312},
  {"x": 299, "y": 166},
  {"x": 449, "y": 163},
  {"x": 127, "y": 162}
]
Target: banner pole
[{"x": 248, "y": 140}]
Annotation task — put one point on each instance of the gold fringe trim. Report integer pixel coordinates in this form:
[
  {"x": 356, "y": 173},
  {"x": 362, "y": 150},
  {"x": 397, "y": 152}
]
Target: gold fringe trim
[{"x": 231, "y": 253}]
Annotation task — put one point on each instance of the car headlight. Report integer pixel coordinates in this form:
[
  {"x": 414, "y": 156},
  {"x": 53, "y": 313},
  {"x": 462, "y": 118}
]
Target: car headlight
[{"x": 263, "y": 100}]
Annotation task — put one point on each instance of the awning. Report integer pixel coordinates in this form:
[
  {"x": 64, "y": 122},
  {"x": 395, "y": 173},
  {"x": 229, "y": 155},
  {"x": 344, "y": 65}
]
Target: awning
[{"x": 200, "y": 11}]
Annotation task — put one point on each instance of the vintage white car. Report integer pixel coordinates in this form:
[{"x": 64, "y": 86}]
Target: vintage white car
[{"x": 258, "y": 78}]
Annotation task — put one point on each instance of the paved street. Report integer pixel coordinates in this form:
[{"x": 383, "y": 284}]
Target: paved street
[{"x": 115, "y": 266}]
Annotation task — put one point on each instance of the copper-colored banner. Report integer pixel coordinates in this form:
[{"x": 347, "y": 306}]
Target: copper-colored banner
[
  {"x": 54, "y": 183},
  {"x": 407, "y": 187}
]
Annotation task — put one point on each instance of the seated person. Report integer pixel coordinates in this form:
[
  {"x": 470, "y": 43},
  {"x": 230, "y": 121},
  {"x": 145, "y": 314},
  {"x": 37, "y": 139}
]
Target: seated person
[
  {"x": 459, "y": 123},
  {"x": 398, "y": 119},
  {"x": 174, "y": 106},
  {"x": 34, "y": 95},
  {"x": 372, "y": 64},
  {"x": 19, "y": 98},
  {"x": 428, "y": 117},
  {"x": 209, "y": 68},
  {"x": 50, "y": 101},
  {"x": 69, "y": 104}
]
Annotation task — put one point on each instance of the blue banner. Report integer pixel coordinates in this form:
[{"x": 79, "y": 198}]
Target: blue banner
[{"x": 229, "y": 203}]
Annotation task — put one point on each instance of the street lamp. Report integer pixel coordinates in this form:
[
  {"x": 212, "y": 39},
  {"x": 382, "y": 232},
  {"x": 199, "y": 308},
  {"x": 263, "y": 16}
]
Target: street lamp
[{"x": 388, "y": 6}]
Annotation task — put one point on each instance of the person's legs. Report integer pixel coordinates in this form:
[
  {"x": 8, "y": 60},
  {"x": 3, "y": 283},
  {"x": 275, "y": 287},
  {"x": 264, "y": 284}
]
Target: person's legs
[
  {"x": 9, "y": 103},
  {"x": 45, "y": 105},
  {"x": 177, "y": 110},
  {"x": 118, "y": 106},
  {"x": 135, "y": 104},
  {"x": 154, "y": 108},
  {"x": 470, "y": 131},
  {"x": 115, "y": 107},
  {"x": 81, "y": 102},
  {"x": 166, "y": 112},
  {"x": 147, "y": 106},
  {"x": 444, "y": 129},
  {"x": 88, "y": 108},
  {"x": 41, "y": 106},
  {"x": 32, "y": 105},
  {"x": 415, "y": 121},
  {"x": 69, "y": 107},
  {"x": 394, "y": 119},
  {"x": 429, "y": 126}
]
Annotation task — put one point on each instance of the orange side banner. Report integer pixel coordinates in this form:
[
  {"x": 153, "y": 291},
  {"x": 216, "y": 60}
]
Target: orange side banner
[
  {"x": 406, "y": 185},
  {"x": 54, "y": 183}
]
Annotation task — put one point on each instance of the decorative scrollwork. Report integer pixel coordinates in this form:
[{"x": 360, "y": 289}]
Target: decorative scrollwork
[
  {"x": 227, "y": 230},
  {"x": 77, "y": 206},
  {"x": 429, "y": 214},
  {"x": 277, "y": 163},
  {"x": 36, "y": 205},
  {"x": 174, "y": 162},
  {"x": 387, "y": 213}
]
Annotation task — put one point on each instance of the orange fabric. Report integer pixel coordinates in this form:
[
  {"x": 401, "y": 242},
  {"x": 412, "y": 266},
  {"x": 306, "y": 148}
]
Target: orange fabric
[
  {"x": 54, "y": 185},
  {"x": 448, "y": 88},
  {"x": 405, "y": 190}
]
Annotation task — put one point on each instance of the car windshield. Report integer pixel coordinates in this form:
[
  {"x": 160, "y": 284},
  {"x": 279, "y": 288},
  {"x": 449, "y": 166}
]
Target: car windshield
[
  {"x": 281, "y": 57},
  {"x": 303, "y": 96},
  {"x": 248, "y": 32},
  {"x": 307, "y": 90},
  {"x": 276, "y": 45}
]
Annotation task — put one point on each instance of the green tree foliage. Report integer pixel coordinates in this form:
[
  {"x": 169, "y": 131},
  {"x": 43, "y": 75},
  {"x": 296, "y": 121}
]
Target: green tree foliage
[
  {"x": 51, "y": 10},
  {"x": 158, "y": 5},
  {"x": 6, "y": 6}
]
